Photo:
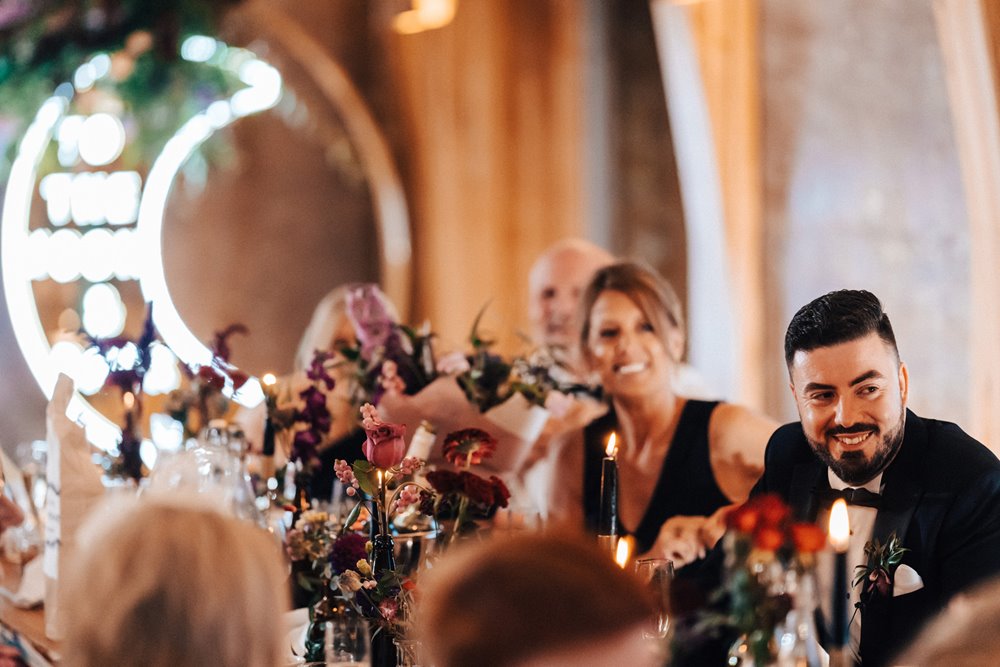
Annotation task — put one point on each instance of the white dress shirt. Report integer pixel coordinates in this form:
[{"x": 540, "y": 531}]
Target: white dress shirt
[{"x": 862, "y": 521}]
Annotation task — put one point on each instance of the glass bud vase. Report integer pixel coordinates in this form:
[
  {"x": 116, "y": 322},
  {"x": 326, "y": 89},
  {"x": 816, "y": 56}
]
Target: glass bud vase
[{"x": 320, "y": 615}]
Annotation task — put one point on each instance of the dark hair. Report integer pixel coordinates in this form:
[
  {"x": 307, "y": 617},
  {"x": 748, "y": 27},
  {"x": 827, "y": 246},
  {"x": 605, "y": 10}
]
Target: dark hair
[
  {"x": 653, "y": 295},
  {"x": 837, "y": 317}
]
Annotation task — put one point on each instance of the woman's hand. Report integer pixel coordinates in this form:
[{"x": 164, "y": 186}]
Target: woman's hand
[
  {"x": 10, "y": 656},
  {"x": 685, "y": 539}
]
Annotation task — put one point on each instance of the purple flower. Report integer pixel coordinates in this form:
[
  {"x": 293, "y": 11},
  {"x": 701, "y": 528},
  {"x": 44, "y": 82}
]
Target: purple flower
[
  {"x": 368, "y": 311},
  {"x": 317, "y": 369}
]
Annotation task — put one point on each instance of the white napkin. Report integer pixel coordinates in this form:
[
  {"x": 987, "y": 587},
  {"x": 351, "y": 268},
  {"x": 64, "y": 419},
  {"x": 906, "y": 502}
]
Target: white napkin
[
  {"x": 74, "y": 488},
  {"x": 296, "y": 624},
  {"x": 31, "y": 591},
  {"x": 906, "y": 580}
]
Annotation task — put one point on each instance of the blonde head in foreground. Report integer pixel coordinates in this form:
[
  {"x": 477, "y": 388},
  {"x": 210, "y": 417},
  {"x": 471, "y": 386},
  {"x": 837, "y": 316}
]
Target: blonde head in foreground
[
  {"x": 533, "y": 600},
  {"x": 160, "y": 584}
]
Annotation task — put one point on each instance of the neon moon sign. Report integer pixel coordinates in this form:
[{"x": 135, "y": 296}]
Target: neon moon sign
[{"x": 263, "y": 90}]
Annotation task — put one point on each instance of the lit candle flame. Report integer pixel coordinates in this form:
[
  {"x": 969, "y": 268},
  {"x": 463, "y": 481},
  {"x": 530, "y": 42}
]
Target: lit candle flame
[
  {"x": 128, "y": 398},
  {"x": 840, "y": 526},
  {"x": 268, "y": 379},
  {"x": 612, "y": 448},
  {"x": 623, "y": 552}
]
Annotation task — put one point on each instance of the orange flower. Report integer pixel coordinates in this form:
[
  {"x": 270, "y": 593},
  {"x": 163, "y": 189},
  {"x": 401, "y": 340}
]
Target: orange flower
[
  {"x": 743, "y": 518},
  {"x": 808, "y": 537},
  {"x": 773, "y": 510},
  {"x": 768, "y": 538}
]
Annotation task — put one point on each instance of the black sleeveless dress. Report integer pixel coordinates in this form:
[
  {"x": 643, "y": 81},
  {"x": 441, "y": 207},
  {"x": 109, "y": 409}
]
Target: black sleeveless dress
[{"x": 686, "y": 485}]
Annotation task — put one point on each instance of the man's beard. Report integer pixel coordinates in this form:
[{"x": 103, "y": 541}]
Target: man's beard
[{"x": 853, "y": 467}]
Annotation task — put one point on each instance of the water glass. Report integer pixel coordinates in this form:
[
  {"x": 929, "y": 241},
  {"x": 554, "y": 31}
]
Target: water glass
[{"x": 657, "y": 574}]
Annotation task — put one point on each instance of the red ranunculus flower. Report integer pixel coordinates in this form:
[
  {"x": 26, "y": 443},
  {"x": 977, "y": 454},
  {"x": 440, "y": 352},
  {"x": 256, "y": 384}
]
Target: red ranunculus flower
[
  {"x": 477, "y": 489},
  {"x": 808, "y": 537},
  {"x": 743, "y": 519},
  {"x": 768, "y": 538},
  {"x": 444, "y": 481},
  {"x": 469, "y": 446},
  {"x": 211, "y": 377},
  {"x": 773, "y": 510},
  {"x": 385, "y": 446},
  {"x": 501, "y": 494},
  {"x": 239, "y": 379}
]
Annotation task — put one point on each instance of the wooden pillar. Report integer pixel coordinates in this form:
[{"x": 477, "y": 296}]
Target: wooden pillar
[
  {"x": 494, "y": 115},
  {"x": 969, "y": 32}
]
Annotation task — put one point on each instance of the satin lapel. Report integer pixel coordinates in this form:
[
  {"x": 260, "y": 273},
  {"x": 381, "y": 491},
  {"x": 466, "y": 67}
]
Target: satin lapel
[
  {"x": 901, "y": 493},
  {"x": 806, "y": 479}
]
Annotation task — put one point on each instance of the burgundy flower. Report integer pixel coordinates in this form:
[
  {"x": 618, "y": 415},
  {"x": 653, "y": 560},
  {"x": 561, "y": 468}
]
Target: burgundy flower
[
  {"x": 239, "y": 379},
  {"x": 479, "y": 490},
  {"x": 469, "y": 446},
  {"x": 347, "y": 551},
  {"x": 211, "y": 377},
  {"x": 501, "y": 494},
  {"x": 220, "y": 344},
  {"x": 879, "y": 579},
  {"x": 444, "y": 481},
  {"x": 385, "y": 446}
]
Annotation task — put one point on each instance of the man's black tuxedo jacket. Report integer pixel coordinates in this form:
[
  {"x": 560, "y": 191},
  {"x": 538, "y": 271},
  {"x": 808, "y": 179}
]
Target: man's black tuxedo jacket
[{"x": 941, "y": 496}]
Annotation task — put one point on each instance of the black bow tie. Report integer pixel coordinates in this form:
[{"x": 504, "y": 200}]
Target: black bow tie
[{"x": 862, "y": 497}]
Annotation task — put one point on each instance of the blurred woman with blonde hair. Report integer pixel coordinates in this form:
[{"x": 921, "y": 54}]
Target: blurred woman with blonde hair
[{"x": 161, "y": 584}]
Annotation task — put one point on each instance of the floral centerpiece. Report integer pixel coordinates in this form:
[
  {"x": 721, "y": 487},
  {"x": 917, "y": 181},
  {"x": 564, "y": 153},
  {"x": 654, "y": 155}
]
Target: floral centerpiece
[
  {"x": 762, "y": 547},
  {"x": 202, "y": 400},
  {"x": 462, "y": 499},
  {"x": 128, "y": 362}
]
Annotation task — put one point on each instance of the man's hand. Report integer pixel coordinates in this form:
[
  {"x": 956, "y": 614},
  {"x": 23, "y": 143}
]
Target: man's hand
[
  {"x": 685, "y": 539},
  {"x": 10, "y": 514}
]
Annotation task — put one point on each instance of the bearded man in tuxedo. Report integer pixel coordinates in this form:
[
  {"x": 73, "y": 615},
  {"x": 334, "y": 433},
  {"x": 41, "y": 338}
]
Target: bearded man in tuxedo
[{"x": 925, "y": 481}]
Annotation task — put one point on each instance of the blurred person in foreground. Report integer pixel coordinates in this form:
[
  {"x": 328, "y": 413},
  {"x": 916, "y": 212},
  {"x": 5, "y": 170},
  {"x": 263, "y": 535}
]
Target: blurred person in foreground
[
  {"x": 922, "y": 481},
  {"x": 682, "y": 462},
  {"x": 965, "y": 634},
  {"x": 161, "y": 583},
  {"x": 533, "y": 600}
]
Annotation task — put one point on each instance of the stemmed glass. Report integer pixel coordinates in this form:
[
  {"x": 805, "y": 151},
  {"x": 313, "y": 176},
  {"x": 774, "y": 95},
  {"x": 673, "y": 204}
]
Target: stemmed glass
[{"x": 657, "y": 574}]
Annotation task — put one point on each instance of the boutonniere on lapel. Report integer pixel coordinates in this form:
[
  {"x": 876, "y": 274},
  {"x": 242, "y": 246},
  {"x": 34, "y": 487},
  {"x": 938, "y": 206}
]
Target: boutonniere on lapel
[{"x": 875, "y": 576}]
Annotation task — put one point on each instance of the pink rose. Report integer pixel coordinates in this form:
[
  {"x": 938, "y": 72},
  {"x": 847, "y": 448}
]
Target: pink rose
[{"x": 385, "y": 446}]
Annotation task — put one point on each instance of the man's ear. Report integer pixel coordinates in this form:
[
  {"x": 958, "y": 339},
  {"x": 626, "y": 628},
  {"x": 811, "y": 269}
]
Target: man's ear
[{"x": 904, "y": 382}]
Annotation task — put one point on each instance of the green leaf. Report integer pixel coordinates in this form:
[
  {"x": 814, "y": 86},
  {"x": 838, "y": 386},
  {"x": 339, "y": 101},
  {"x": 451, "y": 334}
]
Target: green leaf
[
  {"x": 363, "y": 472},
  {"x": 474, "y": 338},
  {"x": 352, "y": 516}
]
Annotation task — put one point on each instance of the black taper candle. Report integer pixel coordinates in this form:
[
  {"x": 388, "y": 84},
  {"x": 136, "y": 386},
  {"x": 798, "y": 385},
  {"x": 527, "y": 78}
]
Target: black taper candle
[
  {"x": 840, "y": 628},
  {"x": 268, "y": 446}
]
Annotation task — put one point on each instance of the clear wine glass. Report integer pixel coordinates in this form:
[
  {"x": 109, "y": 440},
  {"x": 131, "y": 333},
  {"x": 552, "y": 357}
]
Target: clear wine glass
[{"x": 657, "y": 573}]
